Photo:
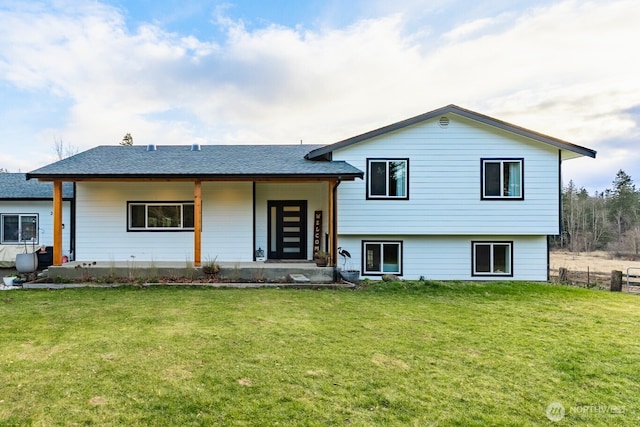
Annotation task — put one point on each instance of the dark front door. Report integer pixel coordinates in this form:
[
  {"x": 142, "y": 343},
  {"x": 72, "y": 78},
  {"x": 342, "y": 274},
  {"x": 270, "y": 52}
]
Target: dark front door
[{"x": 287, "y": 229}]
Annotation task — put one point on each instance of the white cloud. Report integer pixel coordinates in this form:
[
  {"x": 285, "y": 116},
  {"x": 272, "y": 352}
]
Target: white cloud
[
  {"x": 472, "y": 28},
  {"x": 567, "y": 70}
]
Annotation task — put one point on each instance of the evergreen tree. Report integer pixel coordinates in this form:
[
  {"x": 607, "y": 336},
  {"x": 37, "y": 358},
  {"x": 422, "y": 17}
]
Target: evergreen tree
[{"x": 623, "y": 203}]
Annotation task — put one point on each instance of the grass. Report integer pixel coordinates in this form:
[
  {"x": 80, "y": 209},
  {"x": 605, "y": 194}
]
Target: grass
[{"x": 421, "y": 353}]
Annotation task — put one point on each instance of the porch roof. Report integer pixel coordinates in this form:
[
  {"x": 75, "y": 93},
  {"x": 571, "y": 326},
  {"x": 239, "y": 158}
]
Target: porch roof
[
  {"x": 207, "y": 162},
  {"x": 14, "y": 186}
]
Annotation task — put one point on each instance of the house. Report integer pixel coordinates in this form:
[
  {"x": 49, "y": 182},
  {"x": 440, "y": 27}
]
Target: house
[
  {"x": 26, "y": 218},
  {"x": 450, "y": 195}
]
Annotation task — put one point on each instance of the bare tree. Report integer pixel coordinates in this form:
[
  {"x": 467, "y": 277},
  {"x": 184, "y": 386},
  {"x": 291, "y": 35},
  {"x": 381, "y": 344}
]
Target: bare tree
[
  {"x": 598, "y": 223},
  {"x": 585, "y": 222},
  {"x": 64, "y": 150}
]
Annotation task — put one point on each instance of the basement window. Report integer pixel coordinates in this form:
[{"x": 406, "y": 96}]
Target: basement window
[
  {"x": 492, "y": 258},
  {"x": 382, "y": 257}
]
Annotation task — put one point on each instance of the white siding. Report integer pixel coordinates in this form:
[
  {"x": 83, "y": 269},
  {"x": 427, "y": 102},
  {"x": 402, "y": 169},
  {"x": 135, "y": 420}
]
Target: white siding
[
  {"x": 44, "y": 210},
  {"x": 227, "y": 221},
  {"x": 101, "y": 222},
  {"x": 450, "y": 257},
  {"x": 315, "y": 194},
  {"x": 445, "y": 183}
]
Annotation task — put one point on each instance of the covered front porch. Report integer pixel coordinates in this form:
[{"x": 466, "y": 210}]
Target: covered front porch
[{"x": 231, "y": 204}]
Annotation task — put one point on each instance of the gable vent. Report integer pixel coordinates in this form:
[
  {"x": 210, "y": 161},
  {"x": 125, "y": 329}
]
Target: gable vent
[
  {"x": 196, "y": 147},
  {"x": 443, "y": 122},
  {"x": 152, "y": 147}
]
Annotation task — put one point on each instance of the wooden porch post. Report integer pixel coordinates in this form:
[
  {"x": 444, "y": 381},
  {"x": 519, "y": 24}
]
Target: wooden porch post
[
  {"x": 197, "y": 223},
  {"x": 330, "y": 227},
  {"x": 57, "y": 222}
]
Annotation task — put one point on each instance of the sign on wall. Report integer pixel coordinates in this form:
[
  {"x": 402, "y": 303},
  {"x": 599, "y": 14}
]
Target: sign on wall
[{"x": 317, "y": 232}]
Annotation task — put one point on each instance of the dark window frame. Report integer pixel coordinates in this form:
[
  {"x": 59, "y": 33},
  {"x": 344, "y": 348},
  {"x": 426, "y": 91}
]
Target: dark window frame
[
  {"x": 366, "y": 272},
  {"x": 147, "y": 203},
  {"x": 501, "y": 161},
  {"x": 387, "y": 160},
  {"x": 19, "y": 241},
  {"x": 475, "y": 243}
]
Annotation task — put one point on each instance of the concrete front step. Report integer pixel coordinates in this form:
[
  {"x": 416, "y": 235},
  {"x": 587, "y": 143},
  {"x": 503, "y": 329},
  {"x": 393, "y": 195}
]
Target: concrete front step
[{"x": 298, "y": 278}]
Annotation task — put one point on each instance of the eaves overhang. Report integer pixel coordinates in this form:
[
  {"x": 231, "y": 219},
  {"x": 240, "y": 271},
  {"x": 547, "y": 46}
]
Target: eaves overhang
[
  {"x": 454, "y": 109},
  {"x": 192, "y": 177}
]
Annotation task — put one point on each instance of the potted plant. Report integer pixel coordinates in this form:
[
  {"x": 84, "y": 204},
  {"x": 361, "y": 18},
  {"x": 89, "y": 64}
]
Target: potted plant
[{"x": 321, "y": 258}]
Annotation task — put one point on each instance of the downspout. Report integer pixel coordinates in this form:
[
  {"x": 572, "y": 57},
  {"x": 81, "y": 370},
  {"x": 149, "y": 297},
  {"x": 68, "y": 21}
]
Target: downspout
[
  {"x": 560, "y": 193},
  {"x": 334, "y": 231},
  {"x": 253, "y": 249},
  {"x": 72, "y": 229},
  {"x": 560, "y": 230}
]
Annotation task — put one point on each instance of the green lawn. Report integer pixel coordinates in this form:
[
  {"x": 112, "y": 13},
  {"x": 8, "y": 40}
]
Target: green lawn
[{"x": 395, "y": 354}]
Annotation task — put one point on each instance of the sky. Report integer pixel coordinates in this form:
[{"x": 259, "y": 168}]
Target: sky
[{"x": 78, "y": 74}]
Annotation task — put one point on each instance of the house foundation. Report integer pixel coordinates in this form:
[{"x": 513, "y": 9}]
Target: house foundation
[{"x": 258, "y": 272}]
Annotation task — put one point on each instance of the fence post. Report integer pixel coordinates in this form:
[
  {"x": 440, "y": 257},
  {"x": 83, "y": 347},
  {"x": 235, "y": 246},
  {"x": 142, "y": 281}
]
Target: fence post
[
  {"x": 563, "y": 275},
  {"x": 616, "y": 281}
]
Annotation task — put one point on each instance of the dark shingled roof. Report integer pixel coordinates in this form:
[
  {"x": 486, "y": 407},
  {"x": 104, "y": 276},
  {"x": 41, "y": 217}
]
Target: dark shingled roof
[
  {"x": 14, "y": 186},
  {"x": 179, "y": 161},
  {"x": 571, "y": 150}
]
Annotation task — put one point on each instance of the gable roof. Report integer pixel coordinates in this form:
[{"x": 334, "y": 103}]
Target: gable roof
[
  {"x": 181, "y": 162},
  {"x": 571, "y": 150},
  {"x": 14, "y": 186}
]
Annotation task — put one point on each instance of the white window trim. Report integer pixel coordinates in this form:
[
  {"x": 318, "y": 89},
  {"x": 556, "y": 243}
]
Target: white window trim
[
  {"x": 502, "y": 162},
  {"x": 387, "y": 196},
  {"x": 365, "y": 243},
  {"x": 20, "y": 241},
  {"x": 146, "y": 216},
  {"x": 474, "y": 271}
]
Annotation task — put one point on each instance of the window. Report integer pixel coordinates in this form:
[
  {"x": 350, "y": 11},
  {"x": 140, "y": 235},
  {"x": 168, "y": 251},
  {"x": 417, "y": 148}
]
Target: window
[
  {"x": 20, "y": 228},
  {"x": 382, "y": 257},
  {"x": 387, "y": 178},
  {"x": 502, "y": 179},
  {"x": 492, "y": 258},
  {"x": 160, "y": 216}
]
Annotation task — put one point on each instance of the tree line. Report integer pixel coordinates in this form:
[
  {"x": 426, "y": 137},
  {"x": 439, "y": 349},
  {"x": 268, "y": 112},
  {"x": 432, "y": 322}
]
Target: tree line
[{"x": 608, "y": 220}]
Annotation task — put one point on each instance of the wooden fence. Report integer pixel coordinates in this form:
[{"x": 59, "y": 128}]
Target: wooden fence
[{"x": 627, "y": 281}]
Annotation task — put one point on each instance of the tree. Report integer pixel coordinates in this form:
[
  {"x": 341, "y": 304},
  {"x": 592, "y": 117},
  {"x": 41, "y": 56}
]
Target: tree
[
  {"x": 608, "y": 220},
  {"x": 584, "y": 220},
  {"x": 127, "y": 139},
  {"x": 597, "y": 222},
  {"x": 3, "y": 170},
  {"x": 63, "y": 151},
  {"x": 570, "y": 216},
  {"x": 623, "y": 203}
]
